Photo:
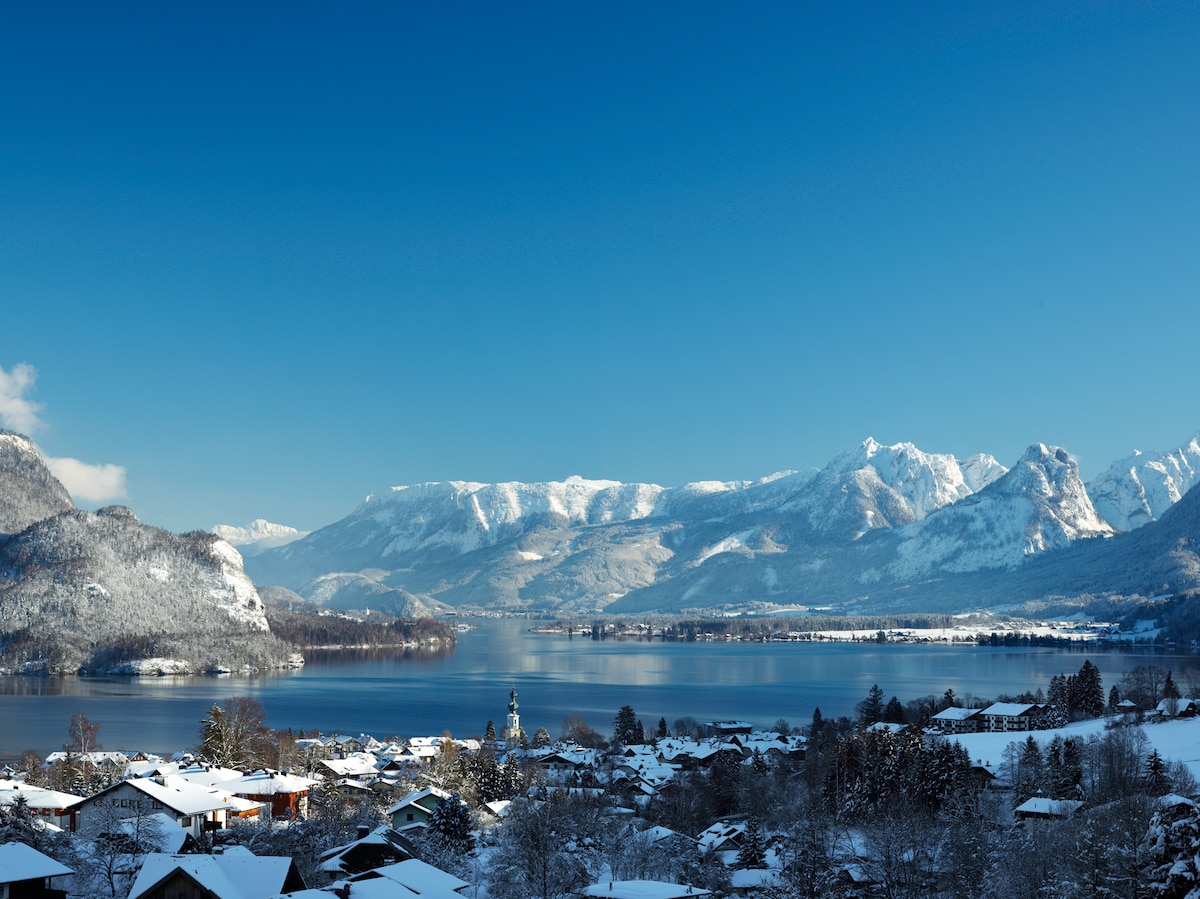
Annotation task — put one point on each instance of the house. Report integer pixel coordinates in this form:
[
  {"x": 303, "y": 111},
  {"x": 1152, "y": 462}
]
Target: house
[
  {"x": 724, "y": 836},
  {"x": 228, "y": 875},
  {"x": 373, "y": 849},
  {"x": 285, "y": 794},
  {"x": 1177, "y": 708},
  {"x": 196, "y": 809},
  {"x": 1006, "y": 717},
  {"x": 1041, "y": 808},
  {"x": 26, "y": 873},
  {"x": 415, "y": 809},
  {"x": 51, "y": 806},
  {"x": 956, "y": 721}
]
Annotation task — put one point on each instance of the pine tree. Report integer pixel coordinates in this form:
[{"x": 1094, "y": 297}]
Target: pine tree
[
  {"x": 1157, "y": 781},
  {"x": 627, "y": 730},
  {"x": 490, "y": 733},
  {"x": 1087, "y": 695},
  {"x": 541, "y": 738},
  {"x": 452, "y": 822},
  {"x": 753, "y": 853},
  {"x": 894, "y": 712},
  {"x": 661, "y": 734},
  {"x": 1170, "y": 690},
  {"x": 870, "y": 710}
]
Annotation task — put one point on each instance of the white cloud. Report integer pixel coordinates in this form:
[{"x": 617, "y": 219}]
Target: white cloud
[
  {"x": 16, "y": 412},
  {"x": 89, "y": 483}
]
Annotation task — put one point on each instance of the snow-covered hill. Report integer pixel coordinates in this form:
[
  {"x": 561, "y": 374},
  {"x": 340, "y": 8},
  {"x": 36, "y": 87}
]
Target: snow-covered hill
[{"x": 97, "y": 591}]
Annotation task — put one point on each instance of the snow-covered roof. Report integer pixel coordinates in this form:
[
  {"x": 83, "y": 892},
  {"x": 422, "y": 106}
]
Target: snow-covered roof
[
  {"x": 954, "y": 713},
  {"x": 37, "y": 797},
  {"x": 1009, "y": 709},
  {"x": 21, "y": 862},
  {"x": 415, "y": 797},
  {"x": 229, "y": 875},
  {"x": 420, "y": 877},
  {"x": 1056, "y": 808},
  {"x": 184, "y": 797},
  {"x": 642, "y": 889}
]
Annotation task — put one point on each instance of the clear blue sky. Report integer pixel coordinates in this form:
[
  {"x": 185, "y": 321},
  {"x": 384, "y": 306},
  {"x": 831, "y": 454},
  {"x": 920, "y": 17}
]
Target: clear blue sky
[{"x": 269, "y": 257}]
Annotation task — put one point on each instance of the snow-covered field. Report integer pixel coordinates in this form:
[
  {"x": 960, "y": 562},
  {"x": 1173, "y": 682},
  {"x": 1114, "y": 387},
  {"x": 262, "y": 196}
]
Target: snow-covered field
[{"x": 1177, "y": 740}]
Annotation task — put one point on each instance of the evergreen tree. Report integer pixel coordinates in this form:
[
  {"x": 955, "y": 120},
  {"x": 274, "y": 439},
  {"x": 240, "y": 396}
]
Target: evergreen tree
[
  {"x": 661, "y": 733},
  {"x": 541, "y": 738},
  {"x": 1169, "y": 689},
  {"x": 452, "y": 822},
  {"x": 490, "y": 733},
  {"x": 1157, "y": 781},
  {"x": 870, "y": 710},
  {"x": 894, "y": 712},
  {"x": 753, "y": 853},
  {"x": 1114, "y": 698},
  {"x": 627, "y": 730},
  {"x": 1087, "y": 693}
]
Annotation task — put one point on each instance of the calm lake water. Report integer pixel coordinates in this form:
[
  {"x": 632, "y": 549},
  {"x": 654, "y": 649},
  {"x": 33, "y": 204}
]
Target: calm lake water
[{"x": 388, "y": 694}]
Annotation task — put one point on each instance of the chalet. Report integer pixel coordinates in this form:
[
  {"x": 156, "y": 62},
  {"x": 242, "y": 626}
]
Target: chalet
[
  {"x": 415, "y": 809},
  {"x": 228, "y": 875},
  {"x": 195, "y": 809},
  {"x": 1041, "y": 808},
  {"x": 1177, "y": 708},
  {"x": 358, "y": 765},
  {"x": 956, "y": 721},
  {"x": 285, "y": 794},
  {"x": 373, "y": 849},
  {"x": 27, "y": 874},
  {"x": 724, "y": 836},
  {"x": 53, "y": 807},
  {"x": 1006, "y": 717}
]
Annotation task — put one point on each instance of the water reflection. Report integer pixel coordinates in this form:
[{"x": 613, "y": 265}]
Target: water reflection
[{"x": 426, "y": 691}]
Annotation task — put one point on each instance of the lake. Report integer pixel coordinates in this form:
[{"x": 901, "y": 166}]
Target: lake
[{"x": 393, "y": 693}]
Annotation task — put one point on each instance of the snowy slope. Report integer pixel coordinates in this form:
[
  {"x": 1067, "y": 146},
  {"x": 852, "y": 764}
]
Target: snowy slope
[
  {"x": 28, "y": 491},
  {"x": 1141, "y": 487}
]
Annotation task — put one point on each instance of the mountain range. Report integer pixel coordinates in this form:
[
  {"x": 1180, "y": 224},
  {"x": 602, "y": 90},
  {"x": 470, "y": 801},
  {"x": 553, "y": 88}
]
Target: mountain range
[{"x": 880, "y": 528}]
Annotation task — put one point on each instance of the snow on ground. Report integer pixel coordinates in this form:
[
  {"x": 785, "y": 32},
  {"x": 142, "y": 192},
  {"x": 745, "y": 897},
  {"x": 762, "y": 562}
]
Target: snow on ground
[
  {"x": 1178, "y": 740},
  {"x": 1073, "y": 630}
]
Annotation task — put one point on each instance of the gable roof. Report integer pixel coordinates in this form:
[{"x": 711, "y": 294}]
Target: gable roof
[
  {"x": 230, "y": 875},
  {"x": 20, "y": 862}
]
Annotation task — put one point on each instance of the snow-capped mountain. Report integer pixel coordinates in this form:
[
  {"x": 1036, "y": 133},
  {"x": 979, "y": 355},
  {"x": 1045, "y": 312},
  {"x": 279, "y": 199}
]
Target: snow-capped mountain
[
  {"x": 1141, "y": 487},
  {"x": 1040, "y": 504},
  {"x": 99, "y": 591},
  {"x": 874, "y": 486},
  {"x": 260, "y": 535},
  {"x": 874, "y": 523}
]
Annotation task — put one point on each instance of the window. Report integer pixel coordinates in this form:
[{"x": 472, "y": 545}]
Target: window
[{"x": 409, "y": 816}]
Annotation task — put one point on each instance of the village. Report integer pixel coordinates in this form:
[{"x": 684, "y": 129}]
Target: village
[{"x": 878, "y": 805}]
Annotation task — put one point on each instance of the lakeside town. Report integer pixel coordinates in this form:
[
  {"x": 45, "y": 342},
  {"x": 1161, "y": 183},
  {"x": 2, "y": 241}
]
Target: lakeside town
[{"x": 1070, "y": 783}]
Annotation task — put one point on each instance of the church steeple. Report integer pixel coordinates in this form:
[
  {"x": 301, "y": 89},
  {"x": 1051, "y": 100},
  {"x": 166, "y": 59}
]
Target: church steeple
[{"x": 513, "y": 724}]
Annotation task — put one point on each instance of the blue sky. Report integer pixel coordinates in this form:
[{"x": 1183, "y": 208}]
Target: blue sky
[{"x": 263, "y": 259}]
